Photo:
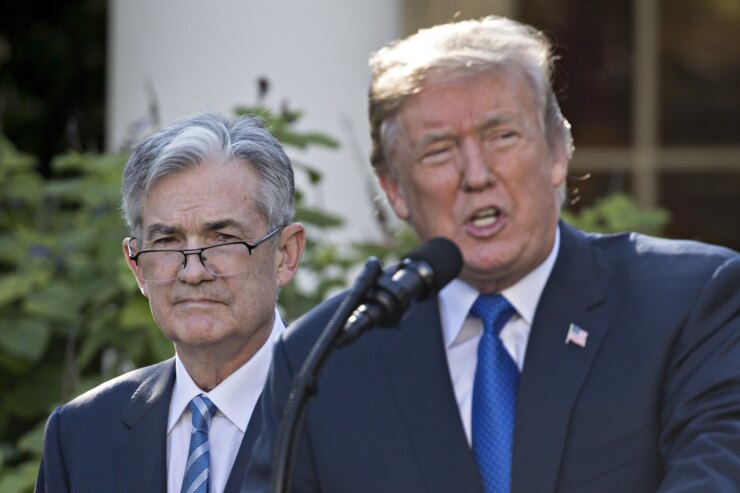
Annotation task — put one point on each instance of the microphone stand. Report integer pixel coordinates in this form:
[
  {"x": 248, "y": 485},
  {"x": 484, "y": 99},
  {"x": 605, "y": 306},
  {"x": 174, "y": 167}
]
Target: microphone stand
[{"x": 304, "y": 383}]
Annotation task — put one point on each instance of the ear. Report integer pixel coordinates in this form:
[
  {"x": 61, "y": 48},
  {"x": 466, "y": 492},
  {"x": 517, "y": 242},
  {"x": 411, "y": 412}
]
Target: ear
[
  {"x": 125, "y": 245},
  {"x": 394, "y": 194},
  {"x": 291, "y": 242},
  {"x": 559, "y": 168}
]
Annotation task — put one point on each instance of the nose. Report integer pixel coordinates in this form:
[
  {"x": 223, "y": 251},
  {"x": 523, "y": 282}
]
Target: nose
[
  {"x": 194, "y": 271},
  {"x": 476, "y": 171}
]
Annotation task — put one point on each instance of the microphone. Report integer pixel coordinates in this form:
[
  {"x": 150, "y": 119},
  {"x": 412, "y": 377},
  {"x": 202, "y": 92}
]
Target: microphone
[{"x": 420, "y": 275}]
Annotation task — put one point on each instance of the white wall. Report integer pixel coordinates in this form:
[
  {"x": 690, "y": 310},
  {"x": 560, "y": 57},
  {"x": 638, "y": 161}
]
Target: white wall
[{"x": 207, "y": 55}]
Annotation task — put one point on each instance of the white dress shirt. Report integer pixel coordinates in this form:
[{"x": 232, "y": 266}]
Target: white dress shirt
[
  {"x": 462, "y": 332},
  {"x": 235, "y": 399}
]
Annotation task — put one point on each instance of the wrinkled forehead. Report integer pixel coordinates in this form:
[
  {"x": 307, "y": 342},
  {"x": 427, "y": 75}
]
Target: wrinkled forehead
[
  {"x": 421, "y": 109},
  {"x": 205, "y": 195}
]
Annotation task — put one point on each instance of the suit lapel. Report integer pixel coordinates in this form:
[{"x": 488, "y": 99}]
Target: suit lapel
[
  {"x": 141, "y": 459},
  {"x": 417, "y": 368},
  {"x": 553, "y": 370}
]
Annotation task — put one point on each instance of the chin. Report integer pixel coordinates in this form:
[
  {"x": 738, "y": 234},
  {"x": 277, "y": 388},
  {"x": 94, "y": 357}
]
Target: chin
[
  {"x": 195, "y": 339},
  {"x": 195, "y": 330},
  {"x": 488, "y": 258},
  {"x": 487, "y": 267}
]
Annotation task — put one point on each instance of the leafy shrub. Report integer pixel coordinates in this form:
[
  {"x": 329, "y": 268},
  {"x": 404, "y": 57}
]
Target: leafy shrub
[{"x": 618, "y": 212}]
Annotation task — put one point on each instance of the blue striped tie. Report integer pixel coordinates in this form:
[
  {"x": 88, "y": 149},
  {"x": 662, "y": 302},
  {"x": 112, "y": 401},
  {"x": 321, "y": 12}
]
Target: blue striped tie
[
  {"x": 494, "y": 396},
  {"x": 196, "y": 469}
]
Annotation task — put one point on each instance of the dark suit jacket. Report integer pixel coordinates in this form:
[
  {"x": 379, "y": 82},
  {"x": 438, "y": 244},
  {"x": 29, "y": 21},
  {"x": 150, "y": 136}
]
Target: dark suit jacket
[
  {"x": 114, "y": 437},
  {"x": 651, "y": 403}
]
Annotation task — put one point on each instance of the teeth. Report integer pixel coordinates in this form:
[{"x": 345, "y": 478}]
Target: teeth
[
  {"x": 481, "y": 223},
  {"x": 485, "y": 217}
]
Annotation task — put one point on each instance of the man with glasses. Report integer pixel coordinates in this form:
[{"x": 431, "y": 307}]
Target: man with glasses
[{"x": 209, "y": 203}]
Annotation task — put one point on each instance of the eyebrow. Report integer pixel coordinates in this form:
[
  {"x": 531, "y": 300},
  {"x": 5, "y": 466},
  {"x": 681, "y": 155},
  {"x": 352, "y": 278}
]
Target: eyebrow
[
  {"x": 489, "y": 122},
  {"x": 494, "y": 121},
  {"x": 161, "y": 228},
  {"x": 434, "y": 137},
  {"x": 223, "y": 223},
  {"x": 209, "y": 226}
]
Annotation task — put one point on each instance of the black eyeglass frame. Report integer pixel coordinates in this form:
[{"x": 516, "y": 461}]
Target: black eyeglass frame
[{"x": 199, "y": 251}]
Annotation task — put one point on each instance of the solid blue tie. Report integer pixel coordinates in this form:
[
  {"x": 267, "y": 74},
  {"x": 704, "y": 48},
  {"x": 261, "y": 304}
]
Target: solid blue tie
[
  {"x": 494, "y": 396},
  {"x": 196, "y": 469}
]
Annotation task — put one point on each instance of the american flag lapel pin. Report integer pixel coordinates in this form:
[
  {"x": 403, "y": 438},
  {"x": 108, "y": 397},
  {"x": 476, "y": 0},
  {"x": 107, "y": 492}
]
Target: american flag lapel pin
[{"x": 576, "y": 335}]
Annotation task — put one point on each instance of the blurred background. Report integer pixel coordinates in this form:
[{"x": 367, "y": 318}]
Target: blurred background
[{"x": 650, "y": 87}]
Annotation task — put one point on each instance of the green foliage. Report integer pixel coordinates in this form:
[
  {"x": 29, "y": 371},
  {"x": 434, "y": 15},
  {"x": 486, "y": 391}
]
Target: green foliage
[
  {"x": 618, "y": 212},
  {"x": 70, "y": 312}
]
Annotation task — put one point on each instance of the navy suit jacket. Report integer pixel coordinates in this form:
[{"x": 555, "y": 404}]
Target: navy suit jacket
[
  {"x": 651, "y": 403},
  {"x": 114, "y": 437}
]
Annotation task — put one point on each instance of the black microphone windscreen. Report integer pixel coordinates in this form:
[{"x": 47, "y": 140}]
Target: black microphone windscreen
[{"x": 443, "y": 256}]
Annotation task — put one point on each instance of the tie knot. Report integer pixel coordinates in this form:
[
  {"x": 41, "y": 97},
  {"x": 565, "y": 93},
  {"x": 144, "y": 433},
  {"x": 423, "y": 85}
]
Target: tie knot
[
  {"x": 203, "y": 410},
  {"x": 494, "y": 310}
]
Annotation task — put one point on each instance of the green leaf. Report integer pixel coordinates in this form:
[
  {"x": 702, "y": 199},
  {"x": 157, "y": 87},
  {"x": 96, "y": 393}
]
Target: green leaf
[
  {"x": 618, "y": 212},
  {"x": 318, "y": 217},
  {"x": 33, "y": 396},
  {"x": 314, "y": 175},
  {"x": 25, "y": 190},
  {"x": 135, "y": 314},
  {"x": 33, "y": 441},
  {"x": 14, "y": 366},
  {"x": 71, "y": 189},
  {"x": 21, "y": 478},
  {"x": 25, "y": 338},
  {"x": 12, "y": 159},
  {"x": 305, "y": 140},
  {"x": 7, "y": 453},
  {"x": 14, "y": 287},
  {"x": 56, "y": 302},
  {"x": 70, "y": 162}
]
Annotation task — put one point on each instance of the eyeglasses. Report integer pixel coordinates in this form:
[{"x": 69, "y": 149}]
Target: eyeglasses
[{"x": 226, "y": 259}]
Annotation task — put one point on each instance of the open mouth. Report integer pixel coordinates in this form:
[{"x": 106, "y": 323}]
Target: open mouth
[{"x": 485, "y": 217}]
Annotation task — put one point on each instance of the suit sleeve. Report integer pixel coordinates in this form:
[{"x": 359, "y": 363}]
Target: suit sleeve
[
  {"x": 52, "y": 476},
  {"x": 274, "y": 400},
  {"x": 700, "y": 437}
]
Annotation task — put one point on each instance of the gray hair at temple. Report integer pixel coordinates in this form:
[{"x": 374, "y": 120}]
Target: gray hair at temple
[
  {"x": 457, "y": 50},
  {"x": 211, "y": 138}
]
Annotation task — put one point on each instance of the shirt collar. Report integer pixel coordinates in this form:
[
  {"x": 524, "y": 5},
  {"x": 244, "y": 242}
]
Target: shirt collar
[
  {"x": 456, "y": 299},
  {"x": 237, "y": 395}
]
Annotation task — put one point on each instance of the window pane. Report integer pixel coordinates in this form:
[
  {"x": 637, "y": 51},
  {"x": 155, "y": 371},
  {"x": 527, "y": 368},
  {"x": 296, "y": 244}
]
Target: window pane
[
  {"x": 705, "y": 206},
  {"x": 593, "y": 75},
  {"x": 700, "y": 72}
]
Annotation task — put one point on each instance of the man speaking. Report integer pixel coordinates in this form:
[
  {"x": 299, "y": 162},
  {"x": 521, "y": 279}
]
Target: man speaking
[{"x": 557, "y": 361}]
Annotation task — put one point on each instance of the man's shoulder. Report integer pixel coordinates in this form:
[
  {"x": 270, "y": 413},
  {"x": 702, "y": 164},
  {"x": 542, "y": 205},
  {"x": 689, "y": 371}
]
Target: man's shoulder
[
  {"x": 638, "y": 266},
  {"x": 116, "y": 392},
  {"x": 639, "y": 251}
]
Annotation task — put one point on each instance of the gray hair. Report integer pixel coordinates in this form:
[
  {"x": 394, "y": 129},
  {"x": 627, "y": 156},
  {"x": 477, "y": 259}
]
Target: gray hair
[
  {"x": 211, "y": 137},
  {"x": 458, "y": 50}
]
